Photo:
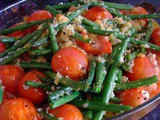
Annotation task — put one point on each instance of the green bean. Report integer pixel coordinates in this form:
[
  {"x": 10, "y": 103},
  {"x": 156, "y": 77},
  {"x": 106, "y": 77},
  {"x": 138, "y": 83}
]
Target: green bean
[
  {"x": 65, "y": 99},
  {"x": 138, "y": 42},
  {"x": 66, "y": 5},
  {"x": 131, "y": 56},
  {"x": 94, "y": 105},
  {"x": 149, "y": 31},
  {"x": 22, "y": 42},
  {"x": 72, "y": 16},
  {"x": 119, "y": 76},
  {"x": 51, "y": 10},
  {"x": 90, "y": 23},
  {"x": 115, "y": 99},
  {"x": 1, "y": 93},
  {"x": 97, "y": 31},
  {"x": 52, "y": 35},
  {"x": 24, "y": 49},
  {"x": 119, "y": 6},
  {"x": 79, "y": 37},
  {"x": 41, "y": 52},
  {"x": 68, "y": 82},
  {"x": 22, "y": 26},
  {"x": 45, "y": 79},
  {"x": 35, "y": 65},
  {"x": 89, "y": 114},
  {"x": 137, "y": 83},
  {"x": 42, "y": 41},
  {"x": 92, "y": 68},
  {"x": 100, "y": 76},
  {"x": 109, "y": 80},
  {"x": 15, "y": 55},
  {"x": 144, "y": 16},
  {"x": 60, "y": 92},
  {"x": 48, "y": 116},
  {"x": 7, "y": 40},
  {"x": 38, "y": 85}
]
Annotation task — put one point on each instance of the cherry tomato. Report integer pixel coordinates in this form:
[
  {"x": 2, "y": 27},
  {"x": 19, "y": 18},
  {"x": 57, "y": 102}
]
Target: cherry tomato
[
  {"x": 142, "y": 68},
  {"x": 18, "y": 109},
  {"x": 134, "y": 97},
  {"x": 70, "y": 62},
  {"x": 67, "y": 112},
  {"x": 98, "y": 13},
  {"x": 156, "y": 36},
  {"x": 157, "y": 53},
  {"x": 2, "y": 47},
  {"x": 39, "y": 15},
  {"x": 35, "y": 95},
  {"x": 10, "y": 76},
  {"x": 98, "y": 46}
]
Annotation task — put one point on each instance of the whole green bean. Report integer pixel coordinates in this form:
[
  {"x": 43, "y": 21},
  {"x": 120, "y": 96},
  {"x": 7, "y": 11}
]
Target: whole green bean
[
  {"x": 115, "y": 99},
  {"x": 90, "y": 23},
  {"x": 97, "y": 31},
  {"x": 137, "y": 83},
  {"x": 144, "y": 16},
  {"x": 119, "y": 76},
  {"x": 52, "y": 35},
  {"x": 94, "y": 105},
  {"x": 64, "y": 99},
  {"x": 100, "y": 76},
  {"x": 22, "y": 26},
  {"x": 1, "y": 93},
  {"x": 92, "y": 68},
  {"x": 35, "y": 65},
  {"x": 119, "y": 6}
]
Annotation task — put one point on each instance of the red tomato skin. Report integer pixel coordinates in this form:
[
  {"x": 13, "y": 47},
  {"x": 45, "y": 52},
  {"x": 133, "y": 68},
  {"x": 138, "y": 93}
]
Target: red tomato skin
[
  {"x": 67, "y": 112},
  {"x": 98, "y": 13},
  {"x": 18, "y": 109},
  {"x": 2, "y": 47},
  {"x": 70, "y": 61},
  {"x": 35, "y": 95},
  {"x": 10, "y": 76},
  {"x": 39, "y": 15},
  {"x": 156, "y": 36},
  {"x": 101, "y": 45},
  {"x": 142, "y": 68},
  {"x": 133, "y": 97}
]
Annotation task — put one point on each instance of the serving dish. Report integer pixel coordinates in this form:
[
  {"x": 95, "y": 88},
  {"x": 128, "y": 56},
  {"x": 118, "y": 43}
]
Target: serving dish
[{"x": 15, "y": 13}]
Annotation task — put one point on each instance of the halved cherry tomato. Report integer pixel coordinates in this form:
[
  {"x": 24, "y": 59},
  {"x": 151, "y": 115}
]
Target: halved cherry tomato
[
  {"x": 70, "y": 62},
  {"x": 2, "y": 47},
  {"x": 67, "y": 112},
  {"x": 134, "y": 97},
  {"x": 18, "y": 109},
  {"x": 98, "y": 13},
  {"x": 98, "y": 46},
  {"x": 10, "y": 76},
  {"x": 39, "y": 15},
  {"x": 35, "y": 95},
  {"x": 142, "y": 68},
  {"x": 156, "y": 36},
  {"x": 157, "y": 53}
]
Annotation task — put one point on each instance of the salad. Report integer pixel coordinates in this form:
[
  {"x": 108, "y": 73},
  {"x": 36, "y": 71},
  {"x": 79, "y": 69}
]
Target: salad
[{"x": 84, "y": 60}]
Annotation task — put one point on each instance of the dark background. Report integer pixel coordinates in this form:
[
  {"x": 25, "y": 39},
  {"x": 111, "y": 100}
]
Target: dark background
[{"x": 155, "y": 114}]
